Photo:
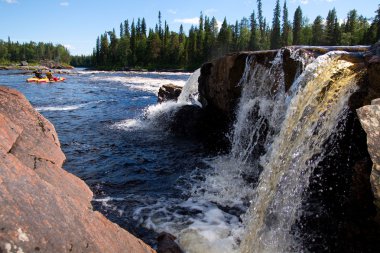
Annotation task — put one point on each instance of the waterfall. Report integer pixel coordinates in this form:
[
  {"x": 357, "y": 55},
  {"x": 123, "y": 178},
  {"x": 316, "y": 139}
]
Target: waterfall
[
  {"x": 314, "y": 106},
  {"x": 189, "y": 93},
  {"x": 259, "y": 115},
  {"x": 277, "y": 141}
]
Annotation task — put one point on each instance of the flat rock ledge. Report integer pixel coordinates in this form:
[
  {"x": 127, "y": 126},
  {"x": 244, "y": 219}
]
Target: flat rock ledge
[
  {"x": 369, "y": 116},
  {"x": 43, "y": 208}
]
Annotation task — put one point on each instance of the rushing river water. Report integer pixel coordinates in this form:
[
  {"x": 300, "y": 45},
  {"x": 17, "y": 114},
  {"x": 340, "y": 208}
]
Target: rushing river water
[{"x": 143, "y": 178}]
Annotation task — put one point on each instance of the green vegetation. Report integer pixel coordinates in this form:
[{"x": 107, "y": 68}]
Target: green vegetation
[
  {"x": 14, "y": 52},
  {"x": 137, "y": 47},
  {"x": 160, "y": 48}
]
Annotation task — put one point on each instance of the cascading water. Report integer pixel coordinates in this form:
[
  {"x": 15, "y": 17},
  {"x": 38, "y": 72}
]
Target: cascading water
[
  {"x": 189, "y": 93},
  {"x": 312, "y": 115},
  {"x": 277, "y": 141},
  {"x": 260, "y": 113}
]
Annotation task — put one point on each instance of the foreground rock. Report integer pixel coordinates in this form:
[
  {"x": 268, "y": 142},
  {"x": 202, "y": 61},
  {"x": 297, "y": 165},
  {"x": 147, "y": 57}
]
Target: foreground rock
[
  {"x": 370, "y": 119},
  {"x": 43, "y": 207},
  {"x": 169, "y": 92}
]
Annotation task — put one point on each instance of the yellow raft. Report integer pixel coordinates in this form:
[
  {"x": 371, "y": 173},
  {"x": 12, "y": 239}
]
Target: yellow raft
[{"x": 45, "y": 80}]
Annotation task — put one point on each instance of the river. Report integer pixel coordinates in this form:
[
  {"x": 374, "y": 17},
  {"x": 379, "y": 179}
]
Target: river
[{"x": 143, "y": 178}]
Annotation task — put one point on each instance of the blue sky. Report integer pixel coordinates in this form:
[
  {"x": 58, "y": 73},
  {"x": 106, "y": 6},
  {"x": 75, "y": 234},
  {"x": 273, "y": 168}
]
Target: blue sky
[{"x": 77, "y": 23}]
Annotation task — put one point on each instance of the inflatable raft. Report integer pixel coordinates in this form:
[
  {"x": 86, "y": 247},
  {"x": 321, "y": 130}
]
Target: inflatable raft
[{"x": 45, "y": 80}]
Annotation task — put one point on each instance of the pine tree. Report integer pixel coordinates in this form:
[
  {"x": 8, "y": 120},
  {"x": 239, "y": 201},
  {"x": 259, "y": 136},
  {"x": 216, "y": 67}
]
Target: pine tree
[
  {"x": 337, "y": 32},
  {"x": 133, "y": 40},
  {"x": 235, "y": 37},
  {"x": 262, "y": 24},
  {"x": 113, "y": 46},
  {"x": 192, "y": 46},
  {"x": 286, "y": 27},
  {"x": 306, "y": 32},
  {"x": 126, "y": 29},
  {"x": 244, "y": 35},
  {"x": 103, "y": 52},
  {"x": 200, "y": 38},
  {"x": 160, "y": 31},
  {"x": 97, "y": 50},
  {"x": 253, "y": 42},
  {"x": 224, "y": 38},
  {"x": 154, "y": 47},
  {"x": 121, "y": 30},
  {"x": 275, "y": 41},
  {"x": 297, "y": 26},
  {"x": 317, "y": 31},
  {"x": 331, "y": 28},
  {"x": 377, "y": 23},
  {"x": 143, "y": 27},
  {"x": 214, "y": 27}
]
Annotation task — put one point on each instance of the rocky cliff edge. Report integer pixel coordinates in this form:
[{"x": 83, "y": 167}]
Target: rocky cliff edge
[{"x": 43, "y": 208}]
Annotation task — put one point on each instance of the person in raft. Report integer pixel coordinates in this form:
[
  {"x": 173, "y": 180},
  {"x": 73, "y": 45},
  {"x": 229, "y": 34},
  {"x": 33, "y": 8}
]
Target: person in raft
[
  {"x": 50, "y": 76},
  {"x": 38, "y": 74}
]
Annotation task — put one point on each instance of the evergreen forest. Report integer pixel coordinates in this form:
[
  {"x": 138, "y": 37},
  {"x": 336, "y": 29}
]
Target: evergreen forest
[
  {"x": 14, "y": 52},
  {"x": 136, "y": 46}
]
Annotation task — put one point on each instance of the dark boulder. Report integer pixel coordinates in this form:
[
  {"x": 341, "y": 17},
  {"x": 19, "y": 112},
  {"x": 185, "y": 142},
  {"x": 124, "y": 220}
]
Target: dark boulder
[
  {"x": 167, "y": 244},
  {"x": 206, "y": 125},
  {"x": 168, "y": 92}
]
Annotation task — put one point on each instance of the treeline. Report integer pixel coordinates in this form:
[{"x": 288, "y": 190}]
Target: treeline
[
  {"x": 137, "y": 46},
  {"x": 81, "y": 61},
  {"x": 13, "y": 52}
]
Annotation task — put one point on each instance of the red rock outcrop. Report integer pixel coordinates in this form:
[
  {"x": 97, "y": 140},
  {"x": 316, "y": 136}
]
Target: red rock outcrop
[{"x": 43, "y": 208}]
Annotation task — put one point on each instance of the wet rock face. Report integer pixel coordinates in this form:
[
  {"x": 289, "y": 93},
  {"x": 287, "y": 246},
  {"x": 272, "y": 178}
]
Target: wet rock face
[
  {"x": 218, "y": 83},
  {"x": 168, "y": 92},
  {"x": 43, "y": 207},
  {"x": 167, "y": 244},
  {"x": 370, "y": 119}
]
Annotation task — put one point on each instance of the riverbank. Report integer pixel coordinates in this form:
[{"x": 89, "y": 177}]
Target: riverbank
[{"x": 43, "y": 65}]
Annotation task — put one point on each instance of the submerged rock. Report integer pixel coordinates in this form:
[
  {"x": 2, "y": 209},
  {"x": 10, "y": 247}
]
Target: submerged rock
[
  {"x": 43, "y": 207},
  {"x": 167, "y": 244}
]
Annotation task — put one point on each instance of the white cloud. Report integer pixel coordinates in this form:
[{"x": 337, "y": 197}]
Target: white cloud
[
  {"x": 10, "y": 1},
  {"x": 192, "y": 21},
  {"x": 219, "y": 23},
  {"x": 64, "y": 4},
  {"x": 69, "y": 47},
  {"x": 304, "y": 1},
  {"x": 171, "y": 11},
  {"x": 209, "y": 12}
]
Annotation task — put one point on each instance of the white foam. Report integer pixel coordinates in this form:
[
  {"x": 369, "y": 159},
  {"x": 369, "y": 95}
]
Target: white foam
[
  {"x": 144, "y": 83},
  {"x": 129, "y": 124},
  {"x": 60, "y": 108},
  {"x": 190, "y": 93},
  {"x": 71, "y": 107}
]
